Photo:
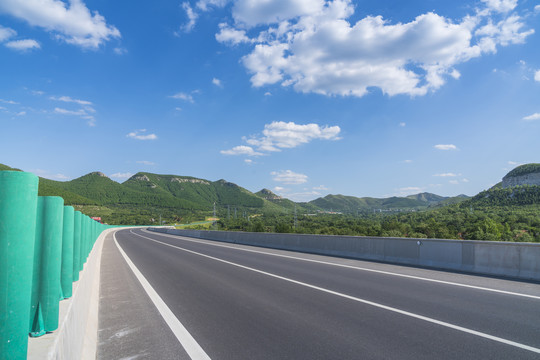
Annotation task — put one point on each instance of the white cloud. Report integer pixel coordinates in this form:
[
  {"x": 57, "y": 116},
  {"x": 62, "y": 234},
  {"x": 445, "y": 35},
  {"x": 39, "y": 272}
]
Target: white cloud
[
  {"x": 320, "y": 187},
  {"x": 48, "y": 175},
  {"x": 21, "y": 113},
  {"x": 73, "y": 23},
  {"x": 6, "y": 33},
  {"x": 289, "y": 177},
  {"x": 311, "y": 45},
  {"x": 241, "y": 150},
  {"x": 144, "y": 162},
  {"x": 445, "y": 147},
  {"x": 120, "y": 175},
  {"x": 253, "y": 13},
  {"x": 249, "y": 161},
  {"x": 191, "y": 15},
  {"x": 409, "y": 190},
  {"x": 447, "y": 175},
  {"x": 281, "y": 135},
  {"x": 454, "y": 182},
  {"x": 231, "y": 36},
  {"x": 183, "y": 96},
  {"x": 533, "y": 117},
  {"x": 268, "y": 93},
  {"x": 137, "y": 135},
  {"x": 465, "y": 180},
  {"x": 11, "y": 102},
  {"x": 505, "y": 32},
  {"x": 81, "y": 113},
  {"x": 62, "y": 111},
  {"x": 537, "y": 9},
  {"x": 278, "y": 189},
  {"x": 23, "y": 45},
  {"x": 206, "y": 5},
  {"x": 402, "y": 124},
  {"x": 120, "y": 51},
  {"x": 217, "y": 82},
  {"x": 70, "y": 100},
  {"x": 407, "y": 161},
  {"x": 502, "y": 6},
  {"x": 537, "y": 74}
]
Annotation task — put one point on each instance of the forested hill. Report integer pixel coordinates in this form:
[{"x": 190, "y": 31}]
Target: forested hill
[
  {"x": 420, "y": 201},
  {"x": 146, "y": 196}
]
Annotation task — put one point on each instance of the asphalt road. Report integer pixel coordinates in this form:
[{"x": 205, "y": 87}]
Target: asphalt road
[{"x": 240, "y": 302}]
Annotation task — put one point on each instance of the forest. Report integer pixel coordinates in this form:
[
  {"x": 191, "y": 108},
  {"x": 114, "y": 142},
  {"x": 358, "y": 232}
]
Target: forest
[{"x": 459, "y": 221}]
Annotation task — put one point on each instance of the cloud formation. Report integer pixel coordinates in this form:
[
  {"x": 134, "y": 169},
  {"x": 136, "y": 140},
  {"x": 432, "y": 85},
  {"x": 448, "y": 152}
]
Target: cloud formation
[
  {"x": 70, "y": 100},
  {"x": 139, "y": 135},
  {"x": 312, "y": 46},
  {"x": 23, "y": 45},
  {"x": 533, "y": 117},
  {"x": 445, "y": 147},
  {"x": 82, "y": 113},
  {"x": 241, "y": 150},
  {"x": 289, "y": 177},
  {"x": 537, "y": 76},
  {"x": 6, "y": 33},
  {"x": 71, "y": 22},
  {"x": 120, "y": 175},
  {"x": 447, "y": 175},
  {"x": 280, "y": 135},
  {"x": 183, "y": 96}
]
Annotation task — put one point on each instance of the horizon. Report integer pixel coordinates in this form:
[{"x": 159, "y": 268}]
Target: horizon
[
  {"x": 292, "y": 97},
  {"x": 253, "y": 191}
]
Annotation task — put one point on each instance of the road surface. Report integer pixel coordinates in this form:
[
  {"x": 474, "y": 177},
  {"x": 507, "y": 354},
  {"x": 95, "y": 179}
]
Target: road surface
[{"x": 200, "y": 299}]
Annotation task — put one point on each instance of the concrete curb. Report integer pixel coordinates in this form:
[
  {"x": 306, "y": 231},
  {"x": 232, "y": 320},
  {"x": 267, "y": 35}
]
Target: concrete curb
[{"x": 76, "y": 337}]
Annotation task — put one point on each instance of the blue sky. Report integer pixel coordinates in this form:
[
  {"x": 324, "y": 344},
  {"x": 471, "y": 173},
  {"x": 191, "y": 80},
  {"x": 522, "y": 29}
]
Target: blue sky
[{"x": 303, "y": 97}]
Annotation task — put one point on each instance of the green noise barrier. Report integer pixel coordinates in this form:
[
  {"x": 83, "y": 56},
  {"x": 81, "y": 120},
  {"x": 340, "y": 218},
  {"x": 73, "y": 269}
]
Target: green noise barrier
[
  {"x": 77, "y": 244},
  {"x": 43, "y": 247},
  {"x": 45, "y": 305},
  {"x": 18, "y": 202},
  {"x": 66, "y": 274},
  {"x": 82, "y": 250}
]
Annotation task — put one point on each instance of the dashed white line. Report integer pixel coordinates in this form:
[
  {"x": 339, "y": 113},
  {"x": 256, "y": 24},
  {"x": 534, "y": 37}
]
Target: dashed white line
[
  {"x": 194, "y": 350},
  {"x": 367, "y": 302},
  {"x": 352, "y": 267}
]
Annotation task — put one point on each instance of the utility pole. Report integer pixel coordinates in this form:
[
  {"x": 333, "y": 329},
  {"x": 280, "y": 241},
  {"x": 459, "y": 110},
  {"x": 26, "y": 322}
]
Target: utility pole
[
  {"x": 214, "y": 223},
  {"x": 228, "y": 212},
  {"x": 295, "y": 218}
]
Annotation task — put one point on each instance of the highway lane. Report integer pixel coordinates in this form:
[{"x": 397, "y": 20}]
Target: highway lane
[{"x": 241, "y": 304}]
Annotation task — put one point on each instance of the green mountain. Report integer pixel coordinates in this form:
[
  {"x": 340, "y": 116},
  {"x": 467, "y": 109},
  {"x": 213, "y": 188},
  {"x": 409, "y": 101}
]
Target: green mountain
[
  {"x": 276, "y": 203},
  {"x": 351, "y": 204}
]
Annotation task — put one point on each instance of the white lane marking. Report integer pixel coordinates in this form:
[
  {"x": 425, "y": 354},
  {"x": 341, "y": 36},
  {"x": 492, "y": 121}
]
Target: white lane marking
[
  {"x": 348, "y": 266},
  {"x": 194, "y": 350},
  {"x": 367, "y": 302}
]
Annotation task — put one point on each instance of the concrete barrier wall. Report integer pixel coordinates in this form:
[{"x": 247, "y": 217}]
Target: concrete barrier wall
[{"x": 516, "y": 260}]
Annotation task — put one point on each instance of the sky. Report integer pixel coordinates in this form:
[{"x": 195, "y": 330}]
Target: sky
[{"x": 302, "y": 97}]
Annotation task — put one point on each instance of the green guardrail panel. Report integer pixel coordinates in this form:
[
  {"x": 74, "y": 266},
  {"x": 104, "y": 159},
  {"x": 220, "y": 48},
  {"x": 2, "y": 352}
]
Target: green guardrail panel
[
  {"x": 44, "y": 310},
  {"x": 77, "y": 231},
  {"x": 66, "y": 274},
  {"x": 18, "y": 203}
]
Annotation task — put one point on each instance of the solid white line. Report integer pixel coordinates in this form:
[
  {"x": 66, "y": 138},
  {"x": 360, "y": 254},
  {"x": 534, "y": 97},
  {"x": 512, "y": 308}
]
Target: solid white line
[
  {"x": 367, "y": 302},
  {"x": 349, "y": 266},
  {"x": 194, "y": 350}
]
